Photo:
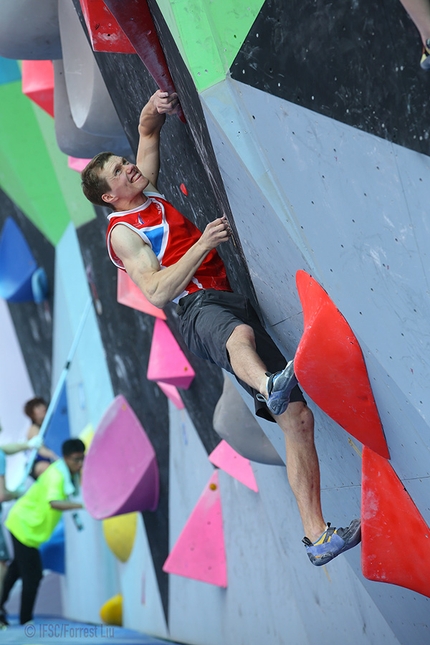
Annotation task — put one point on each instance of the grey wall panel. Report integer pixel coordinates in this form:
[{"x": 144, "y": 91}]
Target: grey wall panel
[
  {"x": 351, "y": 193},
  {"x": 355, "y": 216},
  {"x": 29, "y": 30}
]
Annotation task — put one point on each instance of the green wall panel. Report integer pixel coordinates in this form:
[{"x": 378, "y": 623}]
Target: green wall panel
[
  {"x": 69, "y": 181},
  {"x": 33, "y": 171},
  {"x": 209, "y": 34}
]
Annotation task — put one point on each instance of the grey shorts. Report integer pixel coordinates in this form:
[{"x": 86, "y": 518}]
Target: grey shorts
[
  {"x": 4, "y": 553},
  {"x": 207, "y": 320}
]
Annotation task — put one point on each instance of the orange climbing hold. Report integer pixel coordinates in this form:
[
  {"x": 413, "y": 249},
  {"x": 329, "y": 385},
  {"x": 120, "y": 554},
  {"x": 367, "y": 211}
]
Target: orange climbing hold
[
  {"x": 395, "y": 536},
  {"x": 330, "y": 367}
]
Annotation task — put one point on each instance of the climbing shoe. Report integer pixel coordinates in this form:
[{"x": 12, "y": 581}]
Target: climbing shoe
[
  {"x": 425, "y": 58},
  {"x": 279, "y": 386},
  {"x": 332, "y": 542}
]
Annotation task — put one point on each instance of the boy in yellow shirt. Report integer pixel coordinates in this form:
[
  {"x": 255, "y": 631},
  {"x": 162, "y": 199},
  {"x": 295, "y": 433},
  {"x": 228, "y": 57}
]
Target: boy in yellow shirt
[{"x": 33, "y": 519}]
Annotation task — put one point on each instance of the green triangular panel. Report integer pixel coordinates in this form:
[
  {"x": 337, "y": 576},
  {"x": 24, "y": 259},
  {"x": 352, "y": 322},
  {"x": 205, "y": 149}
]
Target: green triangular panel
[
  {"x": 31, "y": 165},
  {"x": 79, "y": 208},
  {"x": 209, "y": 34}
]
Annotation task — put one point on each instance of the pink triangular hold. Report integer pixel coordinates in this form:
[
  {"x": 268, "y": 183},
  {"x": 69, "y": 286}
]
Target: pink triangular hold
[
  {"x": 38, "y": 83},
  {"x": 199, "y": 552},
  {"x": 172, "y": 393},
  {"x": 167, "y": 361},
  {"x": 77, "y": 164},
  {"x": 130, "y": 295},
  {"x": 233, "y": 464}
]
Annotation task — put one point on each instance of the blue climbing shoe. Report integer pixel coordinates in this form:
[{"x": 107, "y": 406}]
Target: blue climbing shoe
[
  {"x": 279, "y": 386},
  {"x": 332, "y": 543}
]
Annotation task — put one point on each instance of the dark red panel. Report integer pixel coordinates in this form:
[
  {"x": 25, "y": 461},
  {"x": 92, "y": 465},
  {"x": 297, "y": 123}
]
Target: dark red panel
[
  {"x": 395, "y": 537},
  {"x": 137, "y": 23},
  {"x": 330, "y": 367}
]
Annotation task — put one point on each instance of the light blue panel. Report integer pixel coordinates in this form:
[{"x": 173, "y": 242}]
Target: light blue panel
[
  {"x": 9, "y": 70},
  {"x": 362, "y": 203},
  {"x": 91, "y": 577},
  {"x": 355, "y": 216},
  {"x": 365, "y": 230},
  {"x": 142, "y": 608},
  {"x": 260, "y": 214},
  {"x": 89, "y": 392},
  {"x": 58, "y": 429},
  {"x": 189, "y": 473},
  {"x": 89, "y": 389}
]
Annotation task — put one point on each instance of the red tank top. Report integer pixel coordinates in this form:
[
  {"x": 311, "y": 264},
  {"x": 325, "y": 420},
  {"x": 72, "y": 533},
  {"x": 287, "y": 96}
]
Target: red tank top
[{"x": 169, "y": 234}]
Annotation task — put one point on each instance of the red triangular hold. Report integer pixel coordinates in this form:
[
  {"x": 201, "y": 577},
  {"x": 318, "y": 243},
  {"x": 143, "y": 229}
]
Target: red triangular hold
[
  {"x": 395, "y": 537},
  {"x": 199, "y": 552},
  {"x": 233, "y": 464},
  {"x": 38, "y": 83},
  {"x": 330, "y": 367},
  {"x": 167, "y": 361},
  {"x": 105, "y": 33},
  {"x": 129, "y": 294}
]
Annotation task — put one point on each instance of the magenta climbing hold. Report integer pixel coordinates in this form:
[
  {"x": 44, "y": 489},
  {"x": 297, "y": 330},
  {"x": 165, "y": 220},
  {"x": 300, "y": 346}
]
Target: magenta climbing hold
[
  {"x": 235, "y": 465},
  {"x": 120, "y": 473},
  {"x": 129, "y": 294},
  {"x": 75, "y": 163},
  {"x": 167, "y": 361},
  {"x": 172, "y": 394},
  {"x": 38, "y": 83},
  {"x": 199, "y": 552}
]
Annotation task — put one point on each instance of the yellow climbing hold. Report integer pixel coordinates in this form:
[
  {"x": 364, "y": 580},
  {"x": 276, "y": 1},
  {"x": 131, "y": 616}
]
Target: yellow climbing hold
[
  {"x": 111, "y": 611},
  {"x": 87, "y": 435},
  {"x": 120, "y": 533}
]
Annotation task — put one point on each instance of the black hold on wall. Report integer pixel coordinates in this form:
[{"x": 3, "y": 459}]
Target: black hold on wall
[
  {"x": 352, "y": 60},
  {"x": 33, "y": 322}
]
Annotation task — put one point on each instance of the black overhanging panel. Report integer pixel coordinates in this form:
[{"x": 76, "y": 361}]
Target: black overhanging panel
[{"x": 353, "y": 60}]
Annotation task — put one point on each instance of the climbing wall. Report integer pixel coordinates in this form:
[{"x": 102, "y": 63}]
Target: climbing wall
[{"x": 304, "y": 123}]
